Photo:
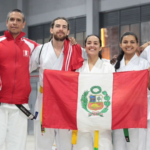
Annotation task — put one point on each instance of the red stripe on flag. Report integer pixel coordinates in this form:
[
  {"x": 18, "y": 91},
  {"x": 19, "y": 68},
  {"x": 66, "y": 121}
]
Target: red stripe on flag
[
  {"x": 60, "y": 103},
  {"x": 0, "y": 83},
  {"x": 129, "y": 103}
]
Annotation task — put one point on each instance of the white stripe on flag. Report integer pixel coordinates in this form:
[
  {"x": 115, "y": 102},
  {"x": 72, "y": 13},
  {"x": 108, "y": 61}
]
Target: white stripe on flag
[
  {"x": 94, "y": 115},
  {"x": 68, "y": 58}
]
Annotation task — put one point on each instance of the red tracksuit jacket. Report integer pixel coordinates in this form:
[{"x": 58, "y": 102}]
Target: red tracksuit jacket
[{"x": 14, "y": 68}]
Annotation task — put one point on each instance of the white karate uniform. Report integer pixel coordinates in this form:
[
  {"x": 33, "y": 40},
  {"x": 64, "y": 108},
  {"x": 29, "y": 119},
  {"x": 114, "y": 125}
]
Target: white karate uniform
[
  {"x": 48, "y": 60},
  {"x": 137, "y": 136},
  {"x": 146, "y": 55},
  {"x": 13, "y": 136},
  {"x": 13, "y": 127},
  {"x": 85, "y": 140}
]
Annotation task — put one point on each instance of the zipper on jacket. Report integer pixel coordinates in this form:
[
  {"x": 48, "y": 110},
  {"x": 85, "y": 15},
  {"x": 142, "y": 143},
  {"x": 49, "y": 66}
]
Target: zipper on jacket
[{"x": 15, "y": 70}]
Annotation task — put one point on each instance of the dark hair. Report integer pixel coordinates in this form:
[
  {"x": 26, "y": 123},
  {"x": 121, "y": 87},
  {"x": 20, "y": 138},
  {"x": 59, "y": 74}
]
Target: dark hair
[
  {"x": 120, "y": 56},
  {"x": 16, "y": 10},
  {"x": 53, "y": 23},
  {"x": 100, "y": 42}
]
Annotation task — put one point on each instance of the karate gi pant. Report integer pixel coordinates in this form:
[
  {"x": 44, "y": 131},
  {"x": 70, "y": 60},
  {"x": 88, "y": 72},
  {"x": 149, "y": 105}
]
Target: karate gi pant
[
  {"x": 13, "y": 129},
  {"x": 137, "y": 139},
  {"x": 148, "y": 126},
  {"x": 45, "y": 141},
  {"x": 148, "y": 136},
  {"x": 85, "y": 141}
]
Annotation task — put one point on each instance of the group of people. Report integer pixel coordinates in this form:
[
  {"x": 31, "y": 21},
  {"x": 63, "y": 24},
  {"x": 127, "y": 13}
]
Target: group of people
[{"x": 19, "y": 56}]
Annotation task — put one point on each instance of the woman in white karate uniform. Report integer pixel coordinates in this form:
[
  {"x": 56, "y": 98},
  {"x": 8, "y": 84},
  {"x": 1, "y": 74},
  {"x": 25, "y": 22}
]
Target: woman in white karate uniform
[
  {"x": 94, "y": 64},
  {"x": 129, "y": 61},
  {"x": 146, "y": 55}
]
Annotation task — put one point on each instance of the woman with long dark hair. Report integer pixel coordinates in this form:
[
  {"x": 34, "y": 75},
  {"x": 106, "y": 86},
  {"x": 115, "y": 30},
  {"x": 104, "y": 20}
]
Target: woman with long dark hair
[
  {"x": 94, "y": 64},
  {"x": 129, "y": 61}
]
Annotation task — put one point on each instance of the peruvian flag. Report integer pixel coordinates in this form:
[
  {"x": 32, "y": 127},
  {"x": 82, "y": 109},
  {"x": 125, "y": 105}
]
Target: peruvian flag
[{"x": 88, "y": 102}]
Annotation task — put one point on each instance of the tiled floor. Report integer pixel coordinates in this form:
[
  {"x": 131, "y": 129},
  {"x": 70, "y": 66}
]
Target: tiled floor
[{"x": 30, "y": 143}]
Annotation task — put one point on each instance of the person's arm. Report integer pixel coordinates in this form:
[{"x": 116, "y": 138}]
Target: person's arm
[
  {"x": 142, "y": 47},
  {"x": 114, "y": 60},
  {"x": 146, "y": 54},
  {"x": 34, "y": 58},
  {"x": 73, "y": 42}
]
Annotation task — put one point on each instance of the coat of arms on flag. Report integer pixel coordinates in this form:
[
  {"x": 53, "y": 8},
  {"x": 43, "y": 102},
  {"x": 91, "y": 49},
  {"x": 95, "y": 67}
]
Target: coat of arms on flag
[
  {"x": 95, "y": 101},
  {"x": 25, "y": 53}
]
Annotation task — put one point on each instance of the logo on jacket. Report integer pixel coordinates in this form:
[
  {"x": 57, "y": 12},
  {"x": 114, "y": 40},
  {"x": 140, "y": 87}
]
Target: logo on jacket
[
  {"x": 25, "y": 53},
  {"x": 96, "y": 102}
]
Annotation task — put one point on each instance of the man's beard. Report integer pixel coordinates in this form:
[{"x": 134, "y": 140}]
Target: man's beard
[{"x": 59, "y": 38}]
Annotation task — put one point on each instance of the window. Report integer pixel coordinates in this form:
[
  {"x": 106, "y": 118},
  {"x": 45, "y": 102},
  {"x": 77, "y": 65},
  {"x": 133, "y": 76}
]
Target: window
[
  {"x": 132, "y": 27},
  {"x": 110, "y": 37},
  {"x": 145, "y": 32},
  {"x": 124, "y": 29},
  {"x": 36, "y": 33},
  {"x": 46, "y": 32},
  {"x": 78, "y": 29},
  {"x": 2, "y": 33},
  {"x": 80, "y": 37},
  {"x": 114, "y": 24}
]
